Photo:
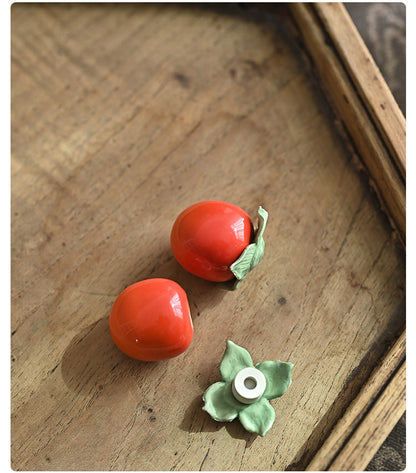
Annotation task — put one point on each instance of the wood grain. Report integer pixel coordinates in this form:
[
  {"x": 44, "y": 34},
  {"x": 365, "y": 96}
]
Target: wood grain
[
  {"x": 381, "y": 419},
  {"x": 122, "y": 116},
  {"x": 367, "y": 137},
  {"x": 367, "y": 79},
  {"x": 332, "y": 452}
]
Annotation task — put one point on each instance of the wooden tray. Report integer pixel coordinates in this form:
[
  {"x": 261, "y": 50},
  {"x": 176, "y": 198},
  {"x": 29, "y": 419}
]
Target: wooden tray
[{"x": 125, "y": 114}]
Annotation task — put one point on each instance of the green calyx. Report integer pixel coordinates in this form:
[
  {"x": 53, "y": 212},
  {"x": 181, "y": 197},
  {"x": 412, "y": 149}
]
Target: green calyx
[
  {"x": 259, "y": 416},
  {"x": 254, "y": 252}
]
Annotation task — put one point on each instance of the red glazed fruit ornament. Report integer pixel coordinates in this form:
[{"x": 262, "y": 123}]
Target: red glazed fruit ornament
[
  {"x": 150, "y": 320},
  {"x": 216, "y": 241}
]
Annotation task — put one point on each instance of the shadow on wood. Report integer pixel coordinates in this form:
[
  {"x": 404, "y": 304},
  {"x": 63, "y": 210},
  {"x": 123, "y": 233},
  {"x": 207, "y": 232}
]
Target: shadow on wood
[
  {"x": 196, "y": 420},
  {"x": 92, "y": 361}
]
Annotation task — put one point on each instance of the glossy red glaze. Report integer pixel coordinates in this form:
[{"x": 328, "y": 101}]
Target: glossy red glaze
[
  {"x": 150, "y": 320},
  {"x": 209, "y": 236}
]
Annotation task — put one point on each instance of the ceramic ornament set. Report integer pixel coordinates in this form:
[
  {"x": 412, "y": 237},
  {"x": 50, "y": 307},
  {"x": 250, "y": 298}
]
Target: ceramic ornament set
[{"x": 151, "y": 320}]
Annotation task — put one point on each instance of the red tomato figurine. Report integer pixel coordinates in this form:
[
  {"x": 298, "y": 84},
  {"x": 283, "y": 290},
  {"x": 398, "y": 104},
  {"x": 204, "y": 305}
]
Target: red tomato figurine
[
  {"x": 151, "y": 320},
  {"x": 216, "y": 240}
]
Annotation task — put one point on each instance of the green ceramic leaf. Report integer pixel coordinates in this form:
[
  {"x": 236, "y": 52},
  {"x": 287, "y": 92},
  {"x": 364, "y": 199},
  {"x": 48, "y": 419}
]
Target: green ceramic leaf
[
  {"x": 235, "y": 359},
  {"x": 278, "y": 377},
  {"x": 263, "y": 216},
  {"x": 243, "y": 265},
  {"x": 220, "y": 403},
  {"x": 258, "y": 417},
  {"x": 254, "y": 252}
]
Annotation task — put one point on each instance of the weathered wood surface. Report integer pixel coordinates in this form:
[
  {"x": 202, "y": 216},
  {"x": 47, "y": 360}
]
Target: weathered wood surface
[
  {"x": 123, "y": 115},
  {"x": 380, "y": 420},
  {"x": 336, "y": 453},
  {"x": 367, "y": 78},
  {"x": 374, "y": 134}
]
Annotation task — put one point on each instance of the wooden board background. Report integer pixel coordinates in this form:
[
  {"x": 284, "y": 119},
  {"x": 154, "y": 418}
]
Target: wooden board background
[{"x": 122, "y": 116}]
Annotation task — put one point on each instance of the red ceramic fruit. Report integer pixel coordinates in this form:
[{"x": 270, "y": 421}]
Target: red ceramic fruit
[
  {"x": 151, "y": 320},
  {"x": 216, "y": 240}
]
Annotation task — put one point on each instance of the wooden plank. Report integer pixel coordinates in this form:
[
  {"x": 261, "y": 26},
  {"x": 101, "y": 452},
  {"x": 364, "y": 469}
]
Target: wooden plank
[
  {"x": 122, "y": 116},
  {"x": 379, "y": 422},
  {"x": 367, "y": 78},
  {"x": 356, "y": 414},
  {"x": 384, "y": 176}
]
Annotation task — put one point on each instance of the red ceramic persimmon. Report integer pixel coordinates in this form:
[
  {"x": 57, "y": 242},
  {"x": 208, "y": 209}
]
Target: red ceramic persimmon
[
  {"x": 216, "y": 240},
  {"x": 151, "y": 320}
]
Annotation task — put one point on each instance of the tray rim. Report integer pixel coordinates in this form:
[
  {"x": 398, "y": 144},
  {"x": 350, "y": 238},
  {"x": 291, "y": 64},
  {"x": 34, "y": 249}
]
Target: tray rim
[{"x": 348, "y": 76}]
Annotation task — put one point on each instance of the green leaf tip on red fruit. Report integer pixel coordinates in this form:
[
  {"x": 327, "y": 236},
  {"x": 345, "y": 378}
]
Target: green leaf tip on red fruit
[{"x": 254, "y": 252}]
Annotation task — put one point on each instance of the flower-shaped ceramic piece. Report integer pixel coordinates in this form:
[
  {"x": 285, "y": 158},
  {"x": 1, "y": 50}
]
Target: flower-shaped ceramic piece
[{"x": 255, "y": 412}]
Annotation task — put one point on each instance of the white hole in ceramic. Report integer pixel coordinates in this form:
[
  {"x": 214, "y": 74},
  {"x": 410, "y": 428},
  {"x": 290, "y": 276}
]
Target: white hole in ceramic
[
  {"x": 249, "y": 385},
  {"x": 250, "y": 382}
]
